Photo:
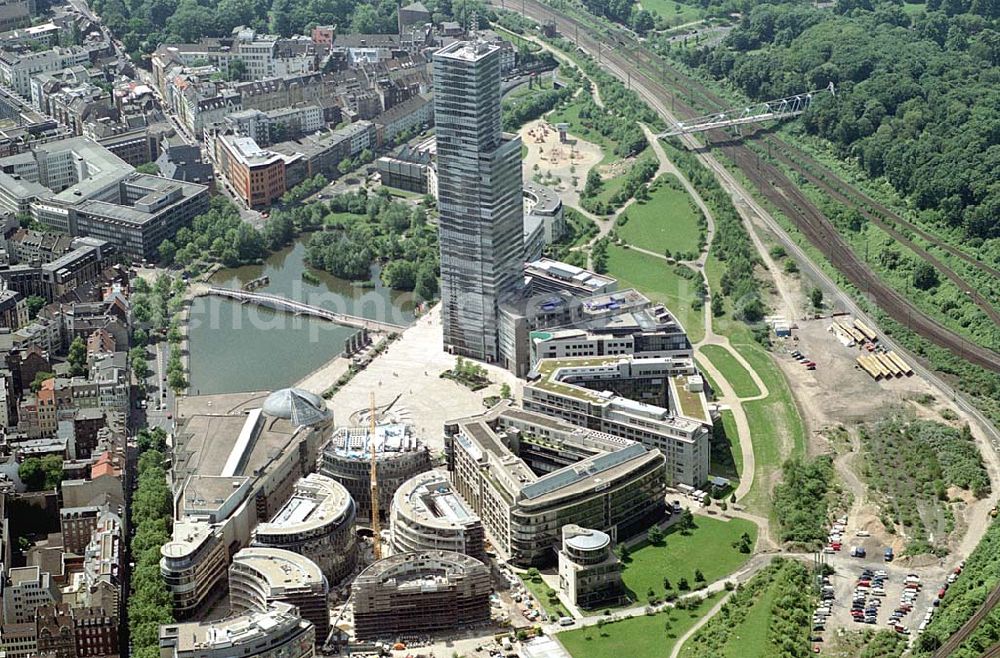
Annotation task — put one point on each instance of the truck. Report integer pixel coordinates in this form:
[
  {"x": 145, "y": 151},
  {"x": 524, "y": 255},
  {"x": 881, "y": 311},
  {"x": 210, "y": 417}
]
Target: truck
[{"x": 889, "y": 554}]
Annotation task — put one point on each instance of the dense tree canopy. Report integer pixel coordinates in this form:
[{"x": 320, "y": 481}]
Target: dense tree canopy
[
  {"x": 918, "y": 100},
  {"x": 375, "y": 229},
  {"x": 143, "y": 24},
  {"x": 38, "y": 473}
]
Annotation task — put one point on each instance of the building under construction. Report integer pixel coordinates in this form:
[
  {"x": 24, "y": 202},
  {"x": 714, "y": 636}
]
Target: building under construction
[
  {"x": 413, "y": 594},
  {"x": 399, "y": 455}
]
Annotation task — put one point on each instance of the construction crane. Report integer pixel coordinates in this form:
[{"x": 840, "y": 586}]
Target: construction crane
[{"x": 376, "y": 530}]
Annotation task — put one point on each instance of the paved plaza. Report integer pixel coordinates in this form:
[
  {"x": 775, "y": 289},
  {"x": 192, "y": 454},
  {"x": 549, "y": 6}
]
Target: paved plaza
[{"x": 409, "y": 370}]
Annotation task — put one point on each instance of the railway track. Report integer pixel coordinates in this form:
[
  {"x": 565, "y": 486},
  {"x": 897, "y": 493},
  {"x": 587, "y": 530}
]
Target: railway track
[
  {"x": 956, "y": 640},
  {"x": 992, "y": 652},
  {"x": 825, "y": 178},
  {"x": 859, "y": 198},
  {"x": 837, "y": 194},
  {"x": 768, "y": 179}
]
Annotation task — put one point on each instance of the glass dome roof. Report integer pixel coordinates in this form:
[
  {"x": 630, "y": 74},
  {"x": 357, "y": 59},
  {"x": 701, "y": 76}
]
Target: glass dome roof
[{"x": 299, "y": 406}]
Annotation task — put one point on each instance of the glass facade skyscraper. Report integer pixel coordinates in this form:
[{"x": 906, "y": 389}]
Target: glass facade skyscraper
[{"x": 479, "y": 199}]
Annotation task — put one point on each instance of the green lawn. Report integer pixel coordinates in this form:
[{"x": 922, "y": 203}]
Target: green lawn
[
  {"x": 656, "y": 279},
  {"x": 749, "y": 637},
  {"x": 732, "y": 370},
  {"x": 666, "y": 221},
  {"x": 539, "y": 589},
  {"x": 729, "y": 423},
  {"x": 708, "y": 547},
  {"x": 776, "y": 427},
  {"x": 704, "y": 373},
  {"x": 767, "y": 614},
  {"x": 341, "y": 218},
  {"x": 645, "y": 636},
  {"x": 682, "y": 12}
]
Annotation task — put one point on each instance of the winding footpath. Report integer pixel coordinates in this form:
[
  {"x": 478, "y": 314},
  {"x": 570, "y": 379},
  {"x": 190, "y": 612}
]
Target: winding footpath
[{"x": 726, "y": 394}]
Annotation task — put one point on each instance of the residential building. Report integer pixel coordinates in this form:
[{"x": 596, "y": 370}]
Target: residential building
[
  {"x": 419, "y": 593},
  {"x": 103, "y": 564},
  {"x": 15, "y": 14},
  {"x": 97, "y": 633},
  {"x": 415, "y": 13},
  {"x": 54, "y": 632},
  {"x": 38, "y": 247},
  {"x": 479, "y": 199},
  {"x": 18, "y": 640},
  {"x": 77, "y": 525},
  {"x": 183, "y": 162},
  {"x": 17, "y": 66},
  {"x": 13, "y": 310},
  {"x": 413, "y": 113}
]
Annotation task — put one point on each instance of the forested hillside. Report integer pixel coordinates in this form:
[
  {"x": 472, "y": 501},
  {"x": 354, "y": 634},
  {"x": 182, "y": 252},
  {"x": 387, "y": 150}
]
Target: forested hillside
[{"x": 918, "y": 94}]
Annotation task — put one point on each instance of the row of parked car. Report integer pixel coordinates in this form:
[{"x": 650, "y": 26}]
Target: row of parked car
[
  {"x": 868, "y": 593},
  {"x": 804, "y": 360},
  {"x": 911, "y": 589},
  {"x": 834, "y": 540},
  {"x": 952, "y": 577},
  {"x": 823, "y": 611}
]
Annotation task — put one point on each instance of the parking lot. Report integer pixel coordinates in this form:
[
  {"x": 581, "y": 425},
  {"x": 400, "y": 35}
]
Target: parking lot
[{"x": 845, "y": 580}]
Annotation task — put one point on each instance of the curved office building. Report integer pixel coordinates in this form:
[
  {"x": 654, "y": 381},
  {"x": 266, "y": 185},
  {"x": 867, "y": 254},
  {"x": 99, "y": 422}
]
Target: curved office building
[
  {"x": 413, "y": 594},
  {"x": 192, "y": 564},
  {"x": 427, "y": 514},
  {"x": 527, "y": 475},
  {"x": 277, "y": 632},
  {"x": 259, "y": 577},
  {"x": 347, "y": 459},
  {"x": 317, "y": 522}
]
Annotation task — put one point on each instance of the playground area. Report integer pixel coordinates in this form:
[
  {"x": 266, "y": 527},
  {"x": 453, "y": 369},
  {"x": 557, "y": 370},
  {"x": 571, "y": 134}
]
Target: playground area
[{"x": 555, "y": 158}]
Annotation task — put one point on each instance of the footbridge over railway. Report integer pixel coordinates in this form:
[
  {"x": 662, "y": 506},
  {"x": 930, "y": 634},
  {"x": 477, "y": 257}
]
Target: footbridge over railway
[
  {"x": 774, "y": 110},
  {"x": 285, "y": 305}
]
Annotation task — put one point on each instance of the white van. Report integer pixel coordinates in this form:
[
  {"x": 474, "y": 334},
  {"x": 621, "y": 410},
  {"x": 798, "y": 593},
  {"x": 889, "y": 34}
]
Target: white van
[{"x": 566, "y": 621}]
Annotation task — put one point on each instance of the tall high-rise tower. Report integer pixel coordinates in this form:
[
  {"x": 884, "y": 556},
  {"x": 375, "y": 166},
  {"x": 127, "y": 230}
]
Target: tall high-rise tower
[{"x": 481, "y": 228}]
